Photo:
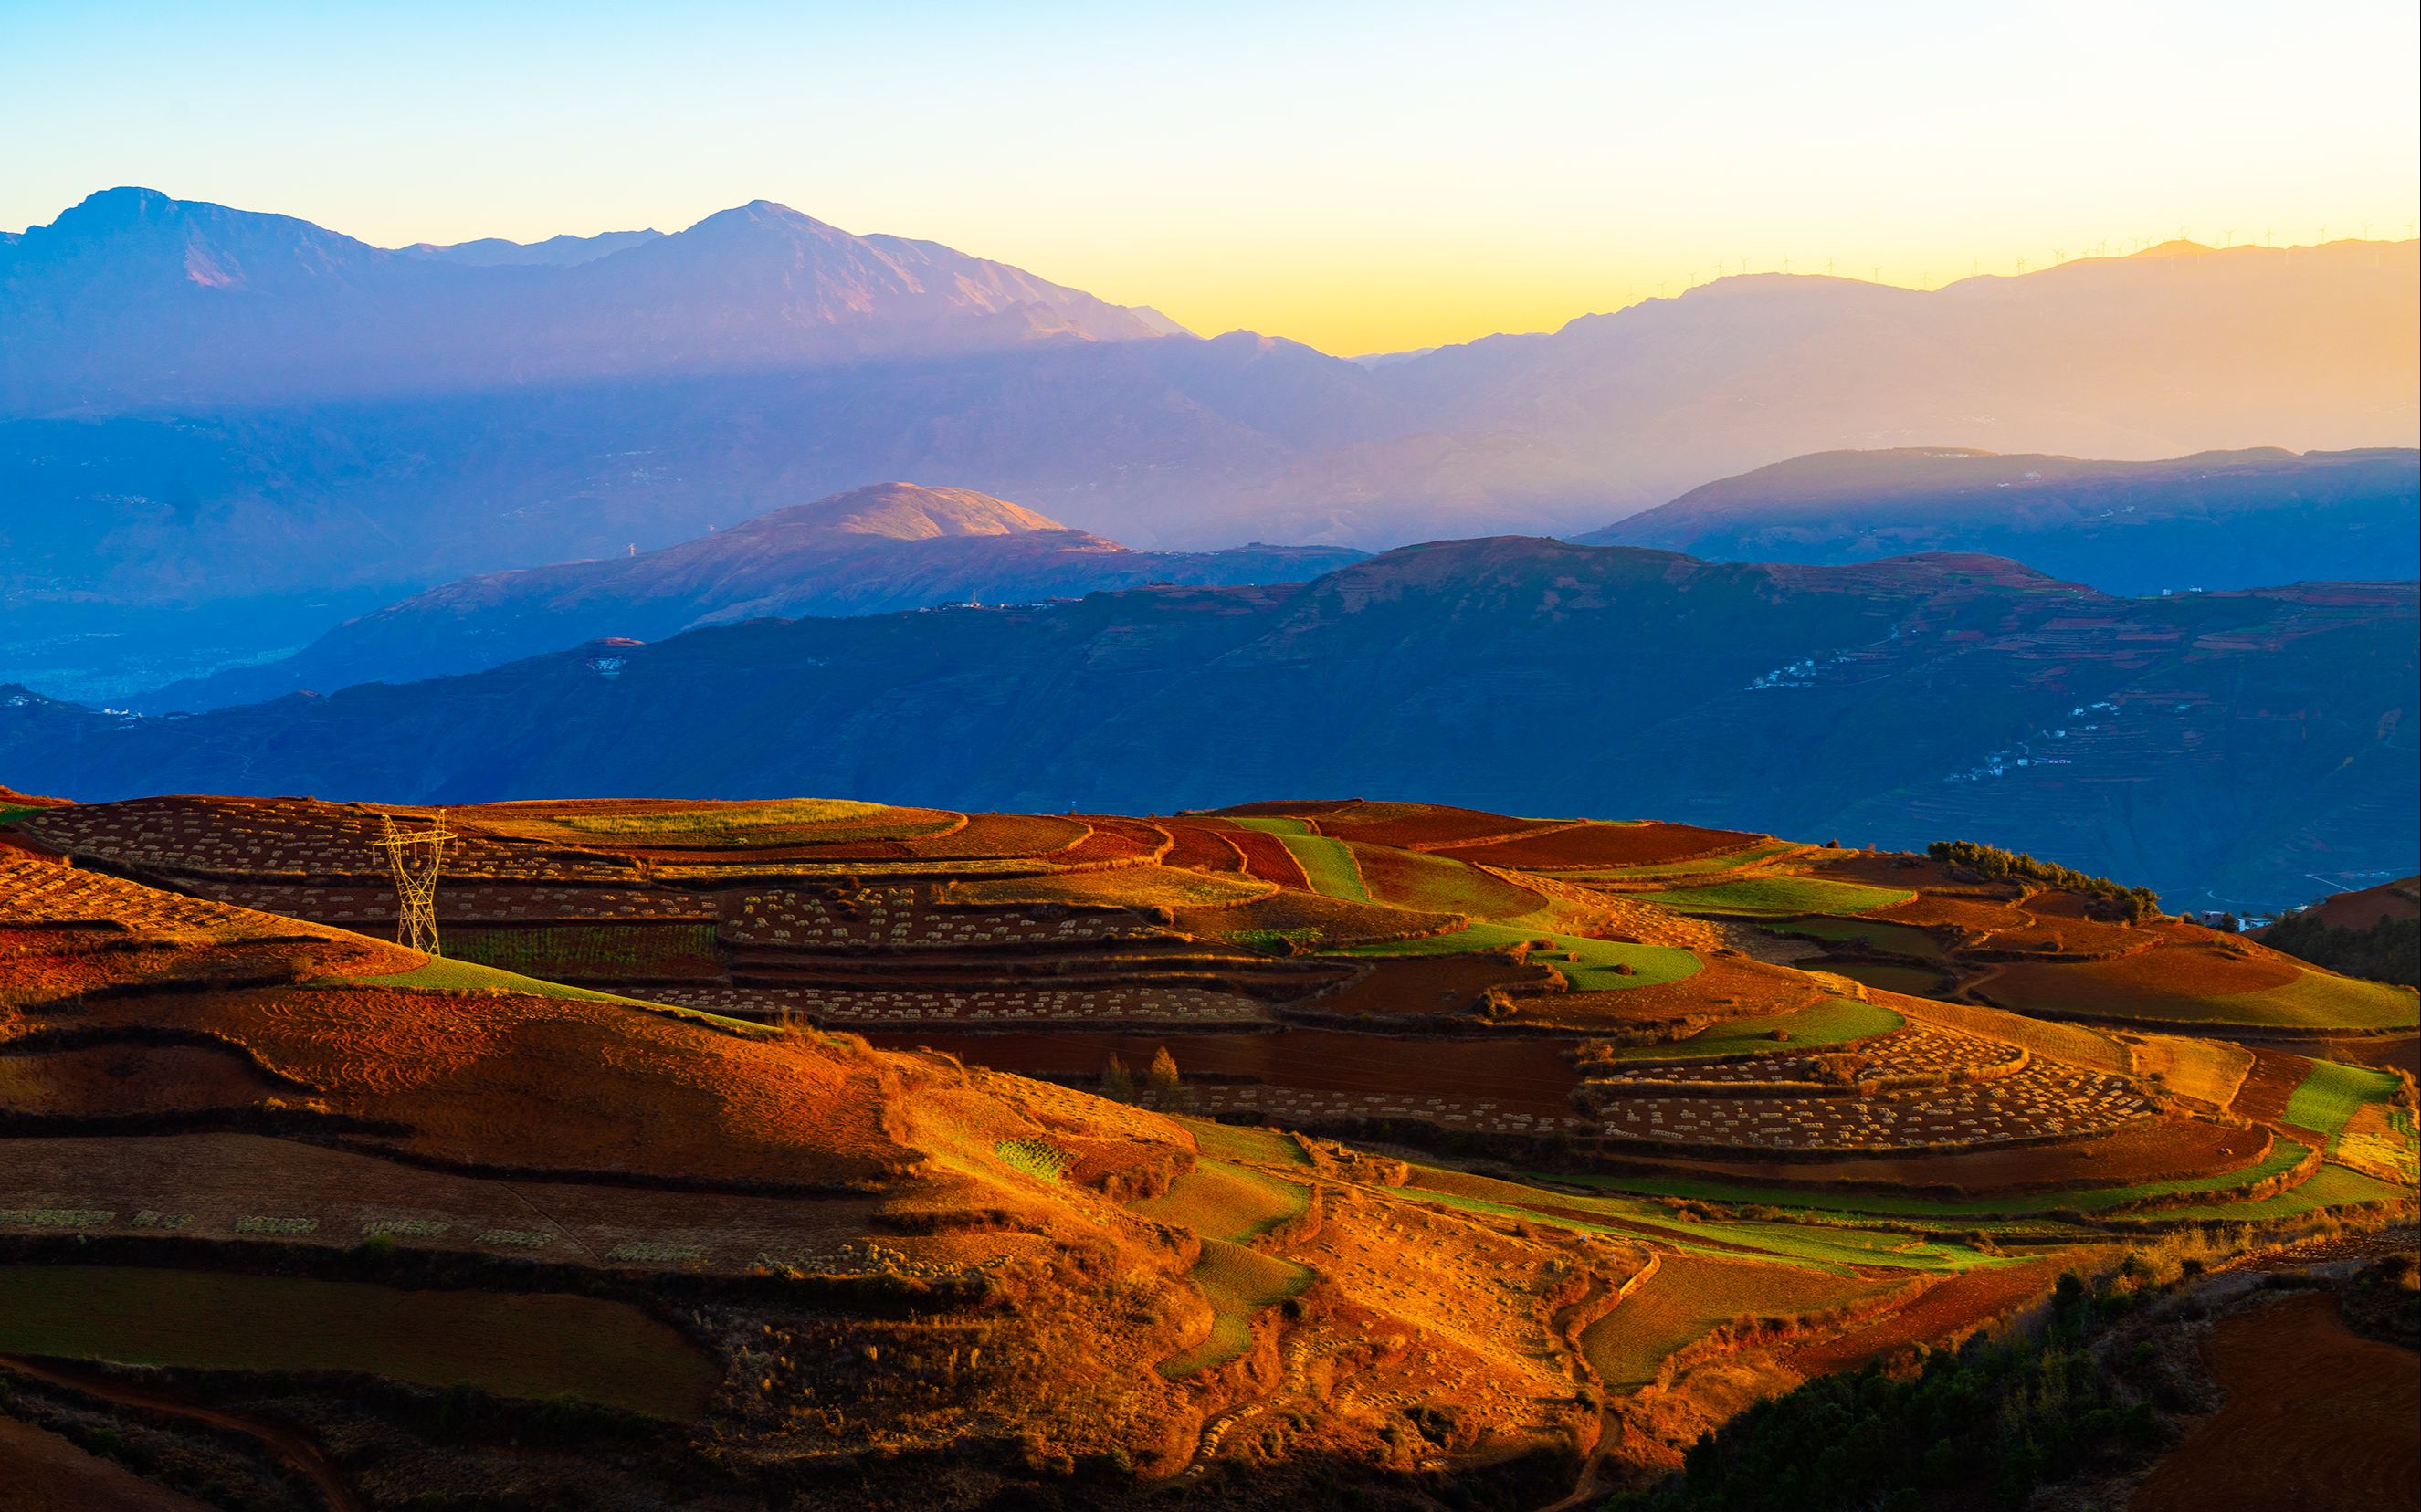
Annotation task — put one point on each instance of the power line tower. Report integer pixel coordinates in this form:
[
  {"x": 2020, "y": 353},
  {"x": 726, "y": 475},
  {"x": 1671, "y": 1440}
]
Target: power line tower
[{"x": 412, "y": 857}]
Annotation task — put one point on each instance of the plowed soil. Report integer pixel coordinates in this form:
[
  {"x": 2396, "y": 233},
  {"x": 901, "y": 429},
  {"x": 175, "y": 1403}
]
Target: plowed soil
[
  {"x": 2316, "y": 1417},
  {"x": 1424, "y": 826},
  {"x": 1590, "y": 846},
  {"x": 2273, "y": 1080},
  {"x": 1267, "y": 857},
  {"x": 1442, "y": 985},
  {"x": 1940, "y": 1312},
  {"x": 1199, "y": 848}
]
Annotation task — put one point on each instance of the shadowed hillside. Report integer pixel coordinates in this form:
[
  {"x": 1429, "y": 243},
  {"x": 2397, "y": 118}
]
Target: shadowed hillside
[
  {"x": 2213, "y": 746},
  {"x": 2222, "y": 519},
  {"x": 895, "y": 546}
]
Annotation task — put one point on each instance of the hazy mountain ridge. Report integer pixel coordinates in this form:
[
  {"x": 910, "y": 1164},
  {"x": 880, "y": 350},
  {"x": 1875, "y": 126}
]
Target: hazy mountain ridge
[
  {"x": 891, "y": 547},
  {"x": 132, "y": 298},
  {"x": 555, "y": 251},
  {"x": 2218, "y": 519},
  {"x": 761, "y": 357},
  {"x": 2213, "y": 745}
]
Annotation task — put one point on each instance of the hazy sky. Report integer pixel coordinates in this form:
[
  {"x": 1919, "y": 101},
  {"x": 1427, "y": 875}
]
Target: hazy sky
[{"x": 1360, "y": 177}]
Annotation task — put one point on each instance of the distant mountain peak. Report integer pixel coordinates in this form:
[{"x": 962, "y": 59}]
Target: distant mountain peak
[{"x": 907, "y": 511}]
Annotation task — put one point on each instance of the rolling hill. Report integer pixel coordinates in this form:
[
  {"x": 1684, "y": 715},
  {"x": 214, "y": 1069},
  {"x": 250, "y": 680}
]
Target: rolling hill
[
  {"x": 2217, "y": 746},
  {"x": 2220, "y": 520},
  {"x": 895, "y": 546},
  {"x": 814, "y": 1153}
]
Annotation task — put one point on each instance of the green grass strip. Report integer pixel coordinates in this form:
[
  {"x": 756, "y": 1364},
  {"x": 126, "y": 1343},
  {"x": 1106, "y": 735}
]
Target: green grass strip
[
  {"x": 1650, "y": 965},
  {"x": 1238, "y": 1283},
  {"x": 1271, "y": 824},
  {"x": 2330, "y": 1094},
  {"x": 2282, "y": 1156},
  {"x": 1329, "y": 865},
  {"x": 440, "y": 974},
  {"x": 2331, "y": 1186},
  {"x": 1827, "y": 1247}
]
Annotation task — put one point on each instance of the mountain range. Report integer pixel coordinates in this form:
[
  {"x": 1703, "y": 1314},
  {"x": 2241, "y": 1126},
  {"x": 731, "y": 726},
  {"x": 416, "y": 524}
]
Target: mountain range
[
  {"x": 895, "y": 546},
  {"x": 2225, "y": 748},
  {"x": 2219, "y": 519},
  {"x": 200, "y": 405}
]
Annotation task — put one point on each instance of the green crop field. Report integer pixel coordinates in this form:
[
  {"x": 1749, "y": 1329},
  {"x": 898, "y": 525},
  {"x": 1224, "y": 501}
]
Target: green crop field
[
  {"x": 1780, "y": 895},
  {"x": 2329, "y": 1094},
  {"x": 1329, "y": 865},
  {"x": 1835, "y": 1021},
  {"x": 1874, "y": 934},
  {"x": 1238, "y": 1283},
  {"x": 1650, "y": 965},
  {"x": 514, "y": 1344},
  {"x": 1270, "y": 824}
]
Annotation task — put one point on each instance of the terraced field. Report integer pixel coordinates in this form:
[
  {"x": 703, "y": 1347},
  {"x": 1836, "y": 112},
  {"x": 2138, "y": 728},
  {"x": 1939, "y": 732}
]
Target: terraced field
[{"x": 1399, "y": 1136}]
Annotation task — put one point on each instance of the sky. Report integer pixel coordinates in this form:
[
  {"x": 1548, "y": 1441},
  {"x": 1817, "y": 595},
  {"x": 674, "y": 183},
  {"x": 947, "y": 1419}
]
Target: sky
[{"x": 1363, "y": 178}]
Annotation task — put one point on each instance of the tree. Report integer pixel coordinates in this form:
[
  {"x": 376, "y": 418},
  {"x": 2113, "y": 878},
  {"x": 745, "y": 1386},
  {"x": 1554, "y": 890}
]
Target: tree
[
  {"x": 1161, "y": 1079},
  {"x": 1117, "y": 1083}
]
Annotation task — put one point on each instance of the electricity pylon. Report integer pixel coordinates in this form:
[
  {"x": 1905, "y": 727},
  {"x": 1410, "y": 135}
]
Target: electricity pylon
[{"x": 412, "y": 857}]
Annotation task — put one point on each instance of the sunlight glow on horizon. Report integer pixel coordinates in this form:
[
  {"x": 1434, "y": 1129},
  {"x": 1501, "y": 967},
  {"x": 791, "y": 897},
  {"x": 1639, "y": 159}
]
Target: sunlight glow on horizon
[{"x": 1362, "y": 178}]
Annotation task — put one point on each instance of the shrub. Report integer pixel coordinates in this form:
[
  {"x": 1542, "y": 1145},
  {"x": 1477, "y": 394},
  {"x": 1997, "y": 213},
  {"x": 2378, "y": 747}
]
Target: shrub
[{"x": 2133, "y": 903}]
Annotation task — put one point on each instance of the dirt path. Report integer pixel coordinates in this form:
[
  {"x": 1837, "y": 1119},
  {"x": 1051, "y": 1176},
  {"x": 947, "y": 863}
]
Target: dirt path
[{"x": 288, "y": 1446}]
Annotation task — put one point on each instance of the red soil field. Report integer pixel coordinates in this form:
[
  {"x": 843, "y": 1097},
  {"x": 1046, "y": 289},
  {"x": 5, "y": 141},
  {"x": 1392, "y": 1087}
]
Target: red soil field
[
  {"x": 1339, "y": 921},
  {"x": 2317, "y": 1416},
  {"x": 1415, "y": 880},
  {"x": 1426, "y": 826},
  {"x": 1199, "y": 848},
  {"x": 1607, "y": 845},
  {"x": 1426, "y": 986},
  {"x": 2143, "y": 982},
  {"x": 2360, "y": 911},
  {"x": 1975, "y": 914},
  {"x": 1944, "y": 1310},
  {"x": 1114, "y": 841},
  {"x": 2385, "y": 1052},
  {"x": 1267, "y": 857},
  {"x": 2275, "y": 1076},
  {"x": 1530, "y": 1074}
]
